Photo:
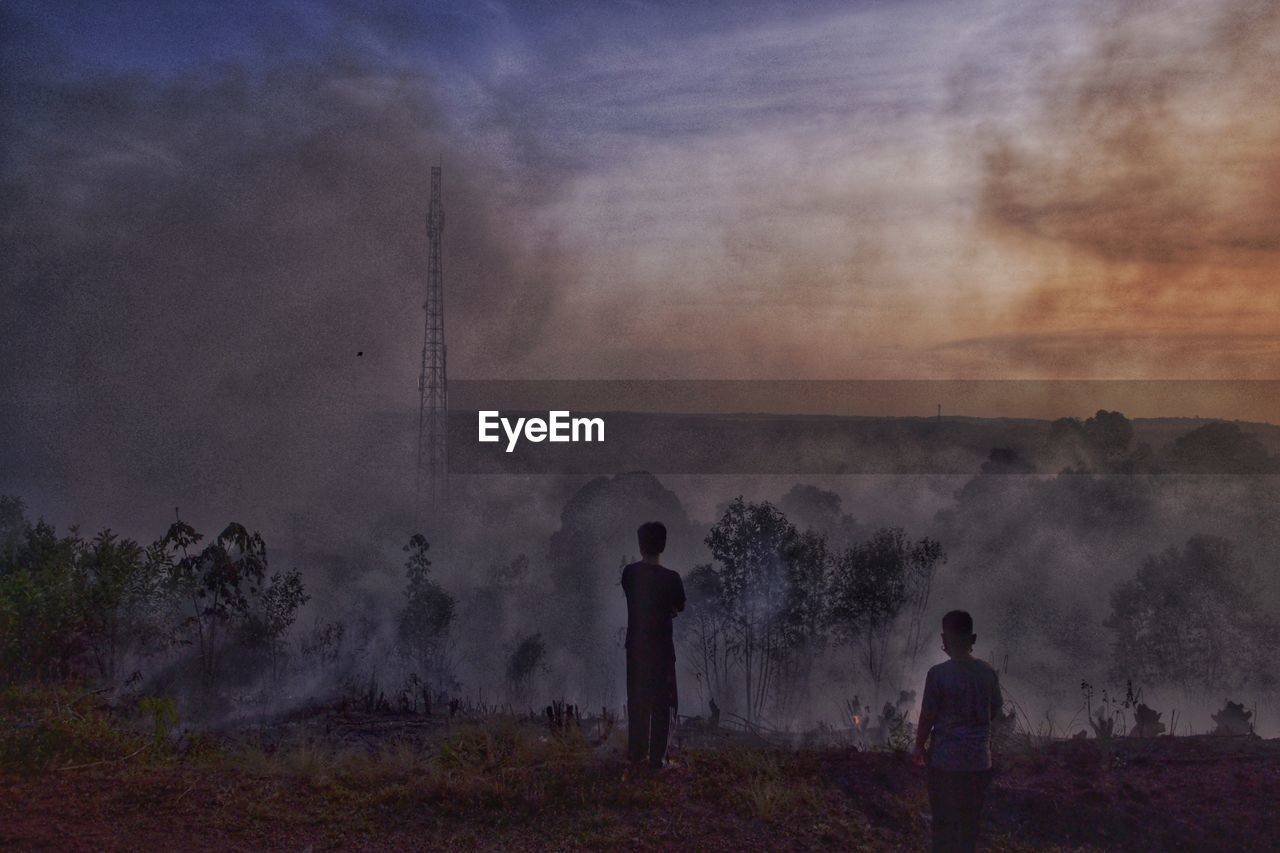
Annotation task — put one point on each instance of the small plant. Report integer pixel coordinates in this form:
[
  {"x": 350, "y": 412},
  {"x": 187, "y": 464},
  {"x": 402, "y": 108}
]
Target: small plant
[
  {"x": 526, "y": 660},
  {"x": 163, "y": 711},
  {"x": 43, "y": 729},
  {"x": 1146, "y": 722},
  {"x": 369, "y": 699},
  {"x": 1111, "y": 711},
  {"x": 1003, "y": 729},
  {"x": 414, "y": 693},
  {"x": 767, "y": 797},
  {"x": 1233, "y": 719},
  {"x": 478, "y": 747},
  {"x": 899, "y": 734},
  {"x": 309, "y": 760}
]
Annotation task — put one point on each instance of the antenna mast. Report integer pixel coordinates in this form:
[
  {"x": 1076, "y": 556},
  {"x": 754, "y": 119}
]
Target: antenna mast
[{"x": 433, "y": 413}]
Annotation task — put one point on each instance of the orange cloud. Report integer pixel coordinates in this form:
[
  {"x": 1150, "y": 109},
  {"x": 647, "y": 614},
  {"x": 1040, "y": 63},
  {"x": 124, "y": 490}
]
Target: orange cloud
[{"x": 1149, "y": 187}]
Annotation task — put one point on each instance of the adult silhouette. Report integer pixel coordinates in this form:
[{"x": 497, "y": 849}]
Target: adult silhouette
[{"x": 655, "y": 594}]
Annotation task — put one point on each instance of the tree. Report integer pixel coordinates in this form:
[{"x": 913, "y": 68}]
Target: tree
[
  {"x": 427, "y": 616},
  {"x": 872, "y": 584},
  {"x": 811, "y": 508},
  {"x": 808, "y": 565},
  {"x": 13, "y": 531},
  {"x": 121, "y": 595},
  {"x": 1004, "y": 461},
  {"x": 275, "y": 614},
  {"x": 1191, "y": 617},
  {"x": 752, "y": 543},
  {"x": 926, "y": 555},
  {"x": 1220, "y": 448},
  {"x": 804, "y": 618},
  {"x": 214, "y": 586},
  {"x": 597, "y": 531},
  {"x": 525, "y": 660},
  {"x": 40, "y": 614},
  {"x": 1101, "y": 444},
  {"x": 1109, "y": 435},
  {"x": 323, "y": 643},
  {"x": 68, "y": 605},
  {"x": 704, "y": 632}
]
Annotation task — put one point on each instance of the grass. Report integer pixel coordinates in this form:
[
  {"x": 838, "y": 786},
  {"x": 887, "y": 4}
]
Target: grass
[
  {"x": 498, "y": 769},
  {"x": 57, "y": 728},
  {"x": 119, "y": 778}
]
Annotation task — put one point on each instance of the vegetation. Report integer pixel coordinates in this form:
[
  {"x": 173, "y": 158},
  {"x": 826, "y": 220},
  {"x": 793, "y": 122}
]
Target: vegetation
[
  {"x": 427, "y": 616},
  {"x": 775, "y": 596},
  {"x": 495, "y": 782},
  {"x": 1191, "y": 617},
  {"x": 782, "y": 597}
]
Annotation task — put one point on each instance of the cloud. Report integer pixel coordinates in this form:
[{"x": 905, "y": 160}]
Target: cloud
[
  {"x": 1149, "y": 186},
  {"x": 785, "y": 182}
]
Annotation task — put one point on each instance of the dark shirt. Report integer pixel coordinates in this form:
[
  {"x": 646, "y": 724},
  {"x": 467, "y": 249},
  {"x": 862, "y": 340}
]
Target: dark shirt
[
  {"x": 654, "y": 595},
  {"x": 965, "y": 696}
]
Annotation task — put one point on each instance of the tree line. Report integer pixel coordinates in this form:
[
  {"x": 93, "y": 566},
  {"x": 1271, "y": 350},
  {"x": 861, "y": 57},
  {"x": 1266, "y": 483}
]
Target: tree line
[
  {"x": 775, "y": 597},
  {"x": 204, "y": 612}
]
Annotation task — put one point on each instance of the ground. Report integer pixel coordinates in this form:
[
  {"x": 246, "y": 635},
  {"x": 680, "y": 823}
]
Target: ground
[{"x": 72, "y": 780}]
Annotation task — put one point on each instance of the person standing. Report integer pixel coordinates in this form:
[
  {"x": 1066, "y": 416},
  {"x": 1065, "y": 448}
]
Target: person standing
[
  {"x": 655, "y": 595},
  {"x": 961, "y": 698}
]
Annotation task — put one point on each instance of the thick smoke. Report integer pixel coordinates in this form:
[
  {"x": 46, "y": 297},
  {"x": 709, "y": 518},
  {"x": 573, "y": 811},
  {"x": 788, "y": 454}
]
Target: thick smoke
[
  {"x": 194, "y": 262},
  {"x": 1149, "y": 188}
]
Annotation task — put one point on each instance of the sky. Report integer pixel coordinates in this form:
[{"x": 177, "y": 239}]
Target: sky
[{"x": 209, "y": 208}]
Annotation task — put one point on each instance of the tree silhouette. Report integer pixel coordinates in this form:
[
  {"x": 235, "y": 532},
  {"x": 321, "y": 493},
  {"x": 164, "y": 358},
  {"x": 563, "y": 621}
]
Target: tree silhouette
[
  {"x": 1220, "y": 448},
  {"x": 427, "y": 616},
  {"x": 704, "y": 633},
  {"x": 752, "y": 544},
  {"x": 873, "y": 582},
  {"x": 1191, "y": 617},
  {"x": 216, "y": 584},
  {"x": 275, "y": 614}
]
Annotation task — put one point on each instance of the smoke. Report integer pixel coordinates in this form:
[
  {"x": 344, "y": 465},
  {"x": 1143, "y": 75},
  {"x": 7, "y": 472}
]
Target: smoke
[
  {"x": 1149, "y": 189},
  {"x": 192, "y": 262},
  {"x": 213, "y": 280}
]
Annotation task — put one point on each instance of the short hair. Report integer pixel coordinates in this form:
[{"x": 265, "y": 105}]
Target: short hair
[
  {"x": 958, "y": 622},
  {"x": 653, "y": 537}
]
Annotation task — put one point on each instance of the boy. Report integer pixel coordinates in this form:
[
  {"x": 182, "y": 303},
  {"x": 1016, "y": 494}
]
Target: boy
[
  {"x": 961, "y": 698},
  {"x": 654, "y": 596}
]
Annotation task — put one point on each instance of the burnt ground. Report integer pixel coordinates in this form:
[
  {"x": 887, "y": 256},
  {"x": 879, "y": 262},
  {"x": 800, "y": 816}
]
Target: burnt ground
[{"x": 353, "y": 781}]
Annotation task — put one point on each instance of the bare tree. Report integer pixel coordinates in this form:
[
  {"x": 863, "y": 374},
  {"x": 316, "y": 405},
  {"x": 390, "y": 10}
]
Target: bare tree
[
  {"x": 751, "y": 542},
  {"x": 704, "y": 631}
]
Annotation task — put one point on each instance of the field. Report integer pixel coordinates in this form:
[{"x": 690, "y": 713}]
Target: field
[{"x": 80, "y": 773}]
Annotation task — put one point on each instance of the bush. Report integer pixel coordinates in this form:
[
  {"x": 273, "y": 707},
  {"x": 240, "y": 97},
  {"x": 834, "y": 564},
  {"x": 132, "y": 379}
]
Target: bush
[{"x": 52, "y": 728}]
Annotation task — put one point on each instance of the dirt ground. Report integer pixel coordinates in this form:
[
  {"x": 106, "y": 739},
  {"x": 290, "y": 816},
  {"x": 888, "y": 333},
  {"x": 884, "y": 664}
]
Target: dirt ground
[{"x": 494, "y": 785}]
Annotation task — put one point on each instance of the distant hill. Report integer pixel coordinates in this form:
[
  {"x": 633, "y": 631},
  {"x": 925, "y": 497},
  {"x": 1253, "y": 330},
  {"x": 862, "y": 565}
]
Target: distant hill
[{"x": 1159, "y": 432}]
